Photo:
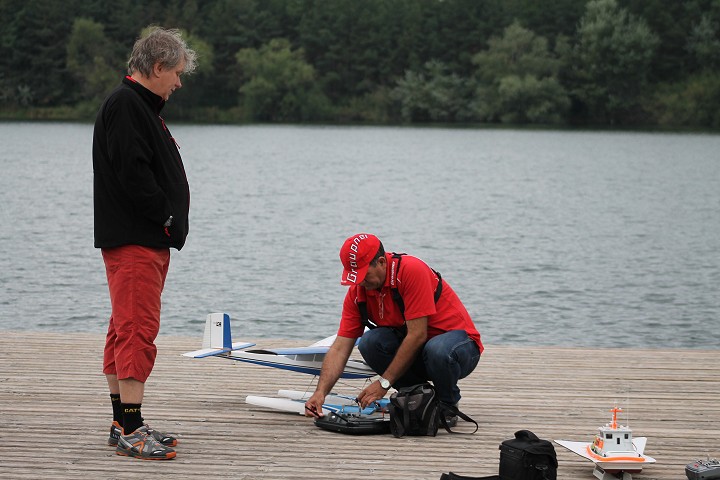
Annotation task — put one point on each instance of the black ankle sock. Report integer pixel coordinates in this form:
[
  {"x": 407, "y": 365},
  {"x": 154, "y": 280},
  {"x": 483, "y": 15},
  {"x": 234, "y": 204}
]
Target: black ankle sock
[
  {"x": 117, "y": 408},
  {"x": 132, "y": 418}
]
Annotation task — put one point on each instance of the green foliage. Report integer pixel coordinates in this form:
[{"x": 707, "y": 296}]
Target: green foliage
[
  {"x": 692, "y": 102},
  {"x": 611, "y": 61},
  {"x": 547, "y": 18},
  {"x": 280, "y": 84},
  {"x": 433, "y": 94},
  {"x": 619, "y": 61},
  {"x": 704, "y": 45},
  {"x": 228, "y": 26},
  {"x": 519, "y": 51},
  {"x": 377, "y": 106},
  {"x": 35, "y": 65},
  {"x": 89, "y": 59},
  {"x": 517, "y": 80},
  {"x": 525, "y": 99},
  {"x": 350, "y": 43},
  {"x": 205, "y": 54},
  {"x": 672, "y": 21}
]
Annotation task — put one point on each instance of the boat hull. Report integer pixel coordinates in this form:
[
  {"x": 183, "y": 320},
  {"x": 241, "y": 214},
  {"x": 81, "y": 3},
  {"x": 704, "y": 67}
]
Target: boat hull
[{"x": 619, "y": 464}]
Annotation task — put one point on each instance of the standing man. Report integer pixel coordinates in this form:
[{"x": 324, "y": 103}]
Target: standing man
[
  {"x": 141, "y": 199},
  {"x": 419, "y": 329}
]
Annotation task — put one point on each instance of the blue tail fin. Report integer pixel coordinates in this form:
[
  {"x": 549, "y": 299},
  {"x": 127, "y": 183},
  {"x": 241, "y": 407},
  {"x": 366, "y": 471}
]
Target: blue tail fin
[{"x": 217, "y": 338}]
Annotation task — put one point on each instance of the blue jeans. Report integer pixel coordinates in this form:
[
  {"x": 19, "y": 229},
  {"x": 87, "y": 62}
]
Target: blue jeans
[{"x": 444, "y": 359}]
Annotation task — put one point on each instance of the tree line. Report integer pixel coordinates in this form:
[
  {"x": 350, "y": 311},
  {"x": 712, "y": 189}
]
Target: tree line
[{"x": 596, "y": 62}]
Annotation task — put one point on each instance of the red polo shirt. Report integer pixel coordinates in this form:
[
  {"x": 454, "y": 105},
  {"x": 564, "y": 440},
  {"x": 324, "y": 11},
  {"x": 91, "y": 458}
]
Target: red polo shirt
[{"x": 416, "y": 283}]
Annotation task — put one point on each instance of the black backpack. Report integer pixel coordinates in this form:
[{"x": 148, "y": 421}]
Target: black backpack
[
  {"x": 525, "y": 457},
  {"x": 414, "y": 411},
  {"x": 417, "y": 411}
]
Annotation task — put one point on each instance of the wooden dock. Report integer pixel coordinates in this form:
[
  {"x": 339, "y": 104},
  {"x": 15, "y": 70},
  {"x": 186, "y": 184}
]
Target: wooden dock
[{"x": 55, "y": 414}]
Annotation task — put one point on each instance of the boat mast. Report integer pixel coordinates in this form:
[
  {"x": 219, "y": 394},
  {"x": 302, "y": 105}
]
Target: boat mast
[{"x": 615, "y": 411}]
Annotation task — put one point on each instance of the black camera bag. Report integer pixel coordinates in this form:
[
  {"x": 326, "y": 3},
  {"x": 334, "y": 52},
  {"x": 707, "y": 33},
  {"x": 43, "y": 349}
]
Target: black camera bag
[{"x": 525, "y": 457}]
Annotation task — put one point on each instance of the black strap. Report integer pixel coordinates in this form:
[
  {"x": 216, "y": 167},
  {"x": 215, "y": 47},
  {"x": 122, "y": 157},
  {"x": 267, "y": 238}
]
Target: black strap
[
  {"x": 397, "y": 298},
  {"x": 443, "y": 408},
  {"x": 455, "y": 476},
  {"x": 396, "y": 293},
  {"x": 364, "y": 316}
]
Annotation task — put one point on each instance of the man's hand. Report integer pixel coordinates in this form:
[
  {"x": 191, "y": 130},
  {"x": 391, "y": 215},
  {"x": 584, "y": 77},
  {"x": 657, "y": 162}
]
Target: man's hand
[
  {"x": 313, "y": 405},
  {"x": 372, "y": 392},
  {"x": 335, "y": 360}
]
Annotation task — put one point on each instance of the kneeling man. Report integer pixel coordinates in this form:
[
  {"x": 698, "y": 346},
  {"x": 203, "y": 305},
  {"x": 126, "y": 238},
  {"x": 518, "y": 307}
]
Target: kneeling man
[{"x": 419, "y": 328}]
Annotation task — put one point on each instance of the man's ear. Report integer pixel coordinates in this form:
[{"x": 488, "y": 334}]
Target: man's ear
[
  {"x": 382, "y": 260},
  {"x": 157, "y": 69}
]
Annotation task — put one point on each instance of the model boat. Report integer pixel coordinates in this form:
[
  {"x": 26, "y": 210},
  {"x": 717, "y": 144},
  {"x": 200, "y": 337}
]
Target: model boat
[{"x": 614, "y": 451}]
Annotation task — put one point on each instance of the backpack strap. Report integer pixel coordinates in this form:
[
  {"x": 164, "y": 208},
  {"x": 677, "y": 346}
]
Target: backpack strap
[
  {"x": 365, "y": 316},
  {"x": 397, "y": 298},
  {"x": 395, "y": 269},
  {"x": 443, "y": 408}
]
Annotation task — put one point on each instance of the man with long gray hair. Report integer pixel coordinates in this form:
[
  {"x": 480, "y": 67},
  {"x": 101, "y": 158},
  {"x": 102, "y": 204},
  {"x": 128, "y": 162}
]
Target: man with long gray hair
[{"x": 141, "y": 198}]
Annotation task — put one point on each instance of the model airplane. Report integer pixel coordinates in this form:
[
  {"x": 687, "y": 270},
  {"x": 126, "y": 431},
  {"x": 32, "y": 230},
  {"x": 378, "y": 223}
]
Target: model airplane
[
  {"x": 217, "y": 342},
  {"x": 614, "y": 451}
]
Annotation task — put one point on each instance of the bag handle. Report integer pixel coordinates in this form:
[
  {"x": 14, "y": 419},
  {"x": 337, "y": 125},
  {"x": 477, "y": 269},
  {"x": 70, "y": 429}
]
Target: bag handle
[{"x": 526, "y": 434}]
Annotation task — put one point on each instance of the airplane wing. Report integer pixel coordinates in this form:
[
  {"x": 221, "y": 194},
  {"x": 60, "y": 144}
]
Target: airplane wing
[
  {"x": 212, "y": 352},
  {"x": 325, "y": 342},
  {"x": 293, "y": 351},
  {"x": 217, "y": 342}
]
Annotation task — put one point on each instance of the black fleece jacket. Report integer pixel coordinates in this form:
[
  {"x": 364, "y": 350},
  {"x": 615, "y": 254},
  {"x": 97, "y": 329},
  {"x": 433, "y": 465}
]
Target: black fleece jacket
[{"x": 138, "y": 177}]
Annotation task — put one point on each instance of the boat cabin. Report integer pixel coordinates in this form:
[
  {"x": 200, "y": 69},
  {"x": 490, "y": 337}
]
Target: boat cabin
[{"x": 613, "y": 439}]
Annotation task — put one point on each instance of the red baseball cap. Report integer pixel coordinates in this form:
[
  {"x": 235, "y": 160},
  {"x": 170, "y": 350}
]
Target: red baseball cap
[{"x": 356, "y": 254}]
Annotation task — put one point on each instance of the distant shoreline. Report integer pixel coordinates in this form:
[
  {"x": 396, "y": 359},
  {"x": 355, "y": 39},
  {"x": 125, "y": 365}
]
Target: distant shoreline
[{"x": 62, "y": 115}]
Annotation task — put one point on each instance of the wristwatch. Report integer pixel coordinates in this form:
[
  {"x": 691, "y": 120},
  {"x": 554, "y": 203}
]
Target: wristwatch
[{"x": 385, "y": 383}]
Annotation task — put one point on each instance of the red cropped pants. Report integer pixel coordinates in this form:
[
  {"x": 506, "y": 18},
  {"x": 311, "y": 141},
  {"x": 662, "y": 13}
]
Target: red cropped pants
[{"x": 136, "y": 277}]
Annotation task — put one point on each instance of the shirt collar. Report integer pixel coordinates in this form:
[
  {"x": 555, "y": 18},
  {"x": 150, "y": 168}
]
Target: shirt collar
[{"x": 156, "y": 102}]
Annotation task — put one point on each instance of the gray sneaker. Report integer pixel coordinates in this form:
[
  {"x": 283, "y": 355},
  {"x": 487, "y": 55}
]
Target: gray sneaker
[
  {"x": 116, "y": 431},
  {"x": 164, "y": 438},
  {"x": 141, "y": 444}
]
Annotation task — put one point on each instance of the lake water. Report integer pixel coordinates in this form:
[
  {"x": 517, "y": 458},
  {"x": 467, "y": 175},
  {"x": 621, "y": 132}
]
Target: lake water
[{"x": 549, "y": 237}]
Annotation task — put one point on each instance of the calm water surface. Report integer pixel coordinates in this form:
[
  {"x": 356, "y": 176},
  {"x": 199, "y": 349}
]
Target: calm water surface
[{"x": 550, "y": 238}]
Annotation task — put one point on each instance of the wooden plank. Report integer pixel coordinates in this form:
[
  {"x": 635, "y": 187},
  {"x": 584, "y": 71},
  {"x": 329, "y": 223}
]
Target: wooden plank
[{"x": 55, "y": 413}]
